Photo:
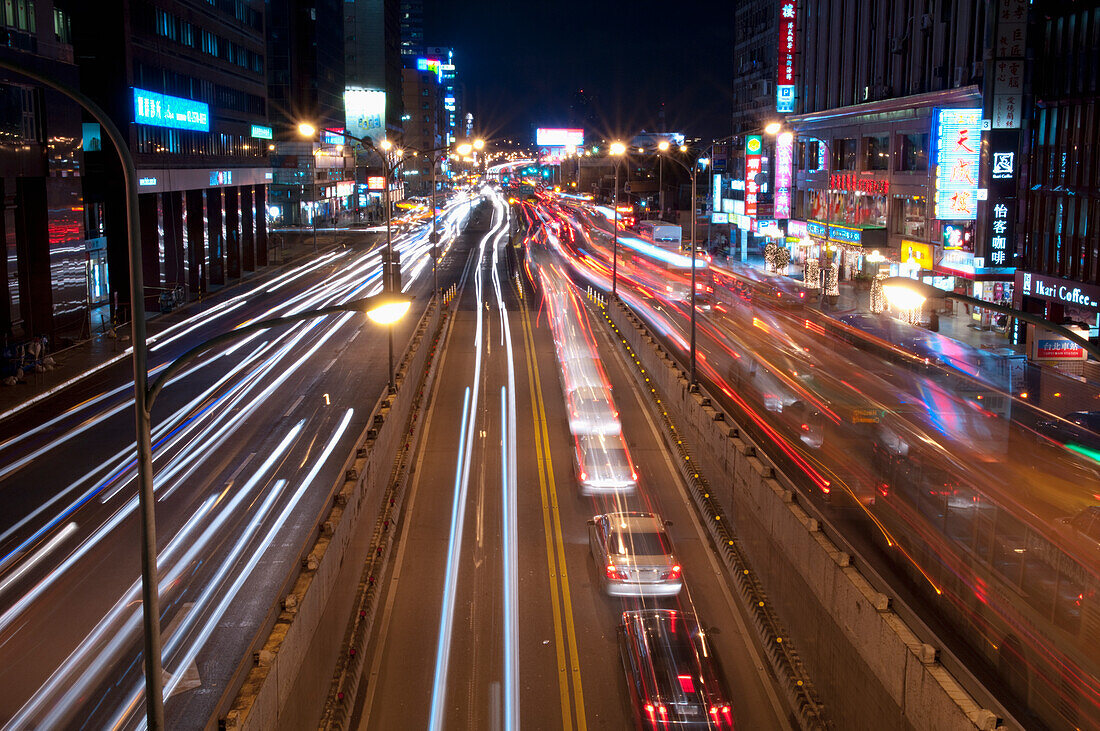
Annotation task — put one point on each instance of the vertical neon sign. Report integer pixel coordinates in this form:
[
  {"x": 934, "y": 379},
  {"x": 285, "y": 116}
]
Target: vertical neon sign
[
  {"x": 784, "y": 87},
  {"x": 784, "y": 164},
  {"x": 958, "y": 149},
  {"x": 753, "y": 145}
]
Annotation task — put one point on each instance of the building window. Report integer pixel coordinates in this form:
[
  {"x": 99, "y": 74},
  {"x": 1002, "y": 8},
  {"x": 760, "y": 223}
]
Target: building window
[
  {"x": 913, "y": 152},
  {"x": 909, "y": 216},
  {"x": 876, "y": 152},
  {"x": 62, "y": 29},
  {"x": 844, "y": 154}
]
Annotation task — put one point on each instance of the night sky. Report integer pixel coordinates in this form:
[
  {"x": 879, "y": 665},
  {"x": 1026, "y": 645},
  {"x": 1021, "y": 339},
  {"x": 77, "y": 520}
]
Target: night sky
[{"x": 523, "y": 62}]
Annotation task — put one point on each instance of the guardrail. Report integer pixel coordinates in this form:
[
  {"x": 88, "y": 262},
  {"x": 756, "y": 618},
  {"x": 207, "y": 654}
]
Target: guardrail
[{"x": 870, "y": 669}]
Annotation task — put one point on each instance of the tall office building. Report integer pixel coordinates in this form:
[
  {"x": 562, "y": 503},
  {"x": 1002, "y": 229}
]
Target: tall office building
[
  {"x": 754, "y": 60},
  {"x": 373, "y": 54},
  {"x": 1059, "y": 274},
  {"x": 185, "y": 81},
  {"x": 49, "y": 271},
  {"x": 412, "y": 29},
  {"x": 425, "y": 123},
  {"x": 452, "y": 90},
  {"x": 305, "y": 43}
]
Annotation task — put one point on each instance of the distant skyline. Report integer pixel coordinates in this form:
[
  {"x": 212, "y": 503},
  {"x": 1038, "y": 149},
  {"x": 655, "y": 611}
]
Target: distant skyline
[{"x": 523, "y": 63}]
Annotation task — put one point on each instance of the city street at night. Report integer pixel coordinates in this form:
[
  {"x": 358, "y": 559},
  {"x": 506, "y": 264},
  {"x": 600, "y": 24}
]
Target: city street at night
[{"x": 404, "y": 364}]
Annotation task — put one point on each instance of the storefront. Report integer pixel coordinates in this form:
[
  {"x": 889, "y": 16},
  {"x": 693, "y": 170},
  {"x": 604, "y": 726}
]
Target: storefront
[
  {"x": 1059, "y": 300},
  {"x": 846, "y": 246}
]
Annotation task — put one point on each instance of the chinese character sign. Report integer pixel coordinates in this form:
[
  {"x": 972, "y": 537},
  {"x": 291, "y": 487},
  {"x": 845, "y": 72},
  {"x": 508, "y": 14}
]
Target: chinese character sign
[
  {"x": 784, "y": 164},
  {"x": 958, "y": 142},
  {"x": 784, "y": 88},
  {"x": 753, "y": 145}
]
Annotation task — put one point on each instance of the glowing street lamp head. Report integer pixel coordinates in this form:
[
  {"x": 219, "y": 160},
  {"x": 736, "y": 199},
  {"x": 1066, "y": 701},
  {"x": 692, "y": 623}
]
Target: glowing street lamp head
[
  {"x": 903, "y": 296},
  {"x": 305, "y": 129},
  {"x": 773, "y": 128},
  {"x": 478, "y": 144},
  {"x": 662, "y": 145},
  {"x": 683, "y": 148},
  {"x": 617, "y": 148},
  {"x": 386, "y": 144},
  {"x": 389, "y": 310},
  {"x": 464, "y": 149}
]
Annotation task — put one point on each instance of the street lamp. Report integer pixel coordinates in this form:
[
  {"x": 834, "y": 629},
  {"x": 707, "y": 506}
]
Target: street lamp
[
  {"x": 617, "y": 150},
  {"x": 908, "y": 294},
  {"x": 387, "y": 172},
  {"x": 693, "y": 171},
  {"x": 383, "y": 309}
]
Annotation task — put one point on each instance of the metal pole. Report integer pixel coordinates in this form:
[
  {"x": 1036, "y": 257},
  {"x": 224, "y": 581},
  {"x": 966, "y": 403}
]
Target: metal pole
[
  {"x": 434, "y": 237},
  {"x": 660, "y": 186},
  {"x": 615, "y": 246},
  {"x": 694, "y": 179},
  {"x": 150, "y": 592},
  {"x": 387, "y": 278}
]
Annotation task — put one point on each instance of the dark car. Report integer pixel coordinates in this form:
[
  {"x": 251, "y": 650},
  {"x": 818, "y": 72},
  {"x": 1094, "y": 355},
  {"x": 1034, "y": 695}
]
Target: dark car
[
  {"x": 672, "y": 672},
  {"x": 1080, "y": 428}
]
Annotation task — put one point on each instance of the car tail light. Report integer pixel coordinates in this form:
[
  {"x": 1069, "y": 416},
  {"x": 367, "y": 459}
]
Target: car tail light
[
  {"x": 673, "y": 574},
  {"x": 584, "y": 476},
  {"x": 615, "y": 574},
  {"x": 662, "y": 710},
  {"x": 633, "y": 475}
]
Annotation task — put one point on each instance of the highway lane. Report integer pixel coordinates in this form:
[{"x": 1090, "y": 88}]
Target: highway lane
[
  {"x": 569, "y": 668},
  {"x": 246, "y": 455},
  {"x": 928, "y": 471}
]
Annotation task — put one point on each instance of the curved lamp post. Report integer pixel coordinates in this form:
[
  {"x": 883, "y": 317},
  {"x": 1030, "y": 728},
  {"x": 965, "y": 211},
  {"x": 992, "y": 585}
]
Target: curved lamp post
[
  {"x": 307, "y": 129},
  {"x": 150, "y": 599},
  {"x": 909, "y": 293},
  {"x": 384, "y": 309}
]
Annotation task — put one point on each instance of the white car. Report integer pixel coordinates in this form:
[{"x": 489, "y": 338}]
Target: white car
[
  {"x": 591, "y": 411},
  {"x": 603, "y": 464},
  {"x": 634, "y": 555}
]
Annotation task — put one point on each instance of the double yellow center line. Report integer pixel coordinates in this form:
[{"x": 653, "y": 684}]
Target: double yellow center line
[{"x": 568, "y": 668}]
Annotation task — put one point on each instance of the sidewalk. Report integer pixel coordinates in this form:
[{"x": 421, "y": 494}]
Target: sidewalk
[
  {"x": 955, "y": 324},
  {"x": 102, "y": 350}
]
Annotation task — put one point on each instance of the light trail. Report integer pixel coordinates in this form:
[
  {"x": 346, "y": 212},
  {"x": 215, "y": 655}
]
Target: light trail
[{"x": 458, "y": 509}]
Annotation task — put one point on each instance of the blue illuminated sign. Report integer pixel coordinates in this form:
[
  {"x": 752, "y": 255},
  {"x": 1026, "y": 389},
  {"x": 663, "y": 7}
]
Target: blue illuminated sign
[
  {"x": 221, "y": 177},
  {"x": 162, "y": 110},
  {"x": 820, "y": 230},
  {"x": 845, "y": 235},
  {"x": 958, "y": 149},
  {"x": 261, "y": 132}
]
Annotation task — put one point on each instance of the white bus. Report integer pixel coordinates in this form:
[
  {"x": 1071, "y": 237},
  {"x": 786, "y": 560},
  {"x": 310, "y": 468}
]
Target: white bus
[{"x": 661, "y": 233}]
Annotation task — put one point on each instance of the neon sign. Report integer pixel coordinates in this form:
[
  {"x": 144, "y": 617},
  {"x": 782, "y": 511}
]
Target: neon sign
[
  {"x": 162, "y": 110},
  {"x": 784, "y": 87},
  {"x": 753, "y": 145},
  {"x": 784, "y": 166},
  {"x": 958, "y": 145}
]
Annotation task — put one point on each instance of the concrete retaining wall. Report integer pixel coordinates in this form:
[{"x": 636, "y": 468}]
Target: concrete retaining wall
[
  {"x": 288, "y": 679},
  {"x": 867, "y": 666}
]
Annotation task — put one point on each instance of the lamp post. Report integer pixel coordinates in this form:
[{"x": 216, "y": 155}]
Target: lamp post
[
  {"x": 908, "y": 293},
  {"x": 384, "y": 309},
  {"x": 617, "y": 150},
  {"x": 150, "y": 597},
  {"x": 693, "y": 171},
  {"x": 775, "y": 129},
  {"x": 308, "y": 130}
]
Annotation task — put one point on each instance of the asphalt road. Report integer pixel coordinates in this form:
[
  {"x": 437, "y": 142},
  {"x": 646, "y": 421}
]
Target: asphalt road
[
  {"x": 431, "y": 664},
  {"x": 248, "y": 444}
]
